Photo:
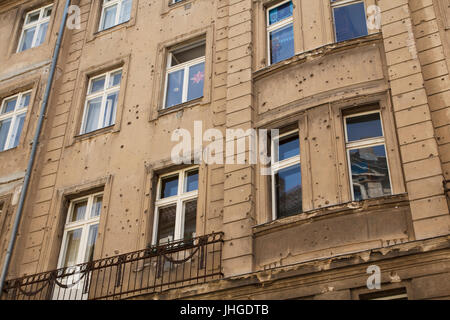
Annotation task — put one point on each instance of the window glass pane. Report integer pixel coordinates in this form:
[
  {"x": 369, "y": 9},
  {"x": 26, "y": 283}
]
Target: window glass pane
[
  {"x": 97, "y": 85},
  {"x": 288, "y": 185},
  {"x": 280, "y": 13},
  {"x": 27, "y": 39},
  {"x": 190, "y": 219},
  {"x": 72, "y": 247},
  {"x": 110, "y": 109},
  {"x": 92, "y": 238},
  {"x": 125, "y": 12},
  {"x": 79, "y": 211},
  {"x": 175, "y": 88},
  {"x": 115, "y": 79},
  {"x": 166, "y": 224},
  {"x": 93, "y": 114},
  {"x": 191, "y": 181},
  {"x": 282, "y": 43},
  {"x": 289, "y": 147},
  {"x": 9, "y": 105},
  {"x": 48, "y": 12},
  {"x": 41, "y": 34},
  {"x": 370, "y": 176},
  {"x": 25, "y": 101},
  {"x": 17, "y": 131},
  {"x": 97, "y": 207},
  {"x": 183, "y": 56},
  {"x": 196, "y": 81},
  {"x": 169, "y": 187},
  {"x": 364, "y": 127},
  {"x": 350, "y": 21},
  {"x": 33, "y": 17},
  {"x": 4, "y": 129},
  {"x": 109, "y": 17}
]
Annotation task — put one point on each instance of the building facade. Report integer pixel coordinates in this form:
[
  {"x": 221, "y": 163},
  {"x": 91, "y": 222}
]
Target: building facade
[{"x": 353, "y": 96}]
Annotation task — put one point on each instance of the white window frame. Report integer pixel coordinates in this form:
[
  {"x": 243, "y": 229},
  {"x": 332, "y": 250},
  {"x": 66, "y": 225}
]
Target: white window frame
[
  {"x": 275, "y": 26},
  {"x": 14, "y": 115},
  {"x": 179, "y": 200},
  {"x": 365, "y": 143},
  {"x": 104, "y": 94},
  {"x": 84, "y": 224},
  {"x": 277, "y": 166},
  {"x": 181, "y": 66},
  {"x": 36, "y": 24},
  {"x": 105, "y": 6},
  {"x": 344, "y": 3}
]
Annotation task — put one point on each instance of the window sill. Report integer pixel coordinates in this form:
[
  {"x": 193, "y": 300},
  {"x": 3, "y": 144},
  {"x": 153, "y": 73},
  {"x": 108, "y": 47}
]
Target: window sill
[
  {"x": 104, "y": 32},
  {"x": 181, "y": 106},
  {"x": 316, "y": 53},
  {"x": 332, "y": 211},
  {"x": 95, "y": 133},
  {"x": 8, "y": 150},
  {"x": 167, "y": 7}
]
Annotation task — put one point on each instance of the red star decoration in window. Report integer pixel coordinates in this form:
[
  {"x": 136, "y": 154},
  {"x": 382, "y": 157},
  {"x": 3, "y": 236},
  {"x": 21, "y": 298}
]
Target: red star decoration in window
[{"x": 198, "y": 77}]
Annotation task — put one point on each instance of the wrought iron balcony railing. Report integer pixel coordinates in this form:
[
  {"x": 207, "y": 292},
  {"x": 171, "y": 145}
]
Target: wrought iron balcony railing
[{"x": 147, "y": 271}]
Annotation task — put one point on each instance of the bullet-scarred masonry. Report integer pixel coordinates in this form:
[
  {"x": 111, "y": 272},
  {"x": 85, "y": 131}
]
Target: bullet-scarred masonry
[{"x": 224, "y": 149}]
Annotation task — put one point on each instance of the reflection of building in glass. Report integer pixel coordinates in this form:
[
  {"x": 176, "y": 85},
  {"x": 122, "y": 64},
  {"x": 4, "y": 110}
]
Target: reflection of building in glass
[{"x": 370, "y": 173}]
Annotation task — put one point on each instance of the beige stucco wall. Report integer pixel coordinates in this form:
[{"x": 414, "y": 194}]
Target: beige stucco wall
[{"x": 403, "y": 68}]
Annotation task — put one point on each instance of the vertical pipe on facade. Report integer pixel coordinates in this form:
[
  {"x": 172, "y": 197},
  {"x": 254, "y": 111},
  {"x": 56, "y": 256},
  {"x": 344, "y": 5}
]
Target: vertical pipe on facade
[{"x": 33, "y": 150}]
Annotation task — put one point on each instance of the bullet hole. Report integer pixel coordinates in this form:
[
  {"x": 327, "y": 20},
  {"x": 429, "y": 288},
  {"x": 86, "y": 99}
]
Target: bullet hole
[{"x": 121, "y": 147}]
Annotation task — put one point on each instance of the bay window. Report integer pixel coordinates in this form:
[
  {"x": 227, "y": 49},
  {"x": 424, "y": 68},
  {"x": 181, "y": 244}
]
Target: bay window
[
  {"x": 280, "y": 32},
  {"x": 366, "y": 154},
  {"x": 349, "y": 19},
  {"x": 286, "y": 175}
]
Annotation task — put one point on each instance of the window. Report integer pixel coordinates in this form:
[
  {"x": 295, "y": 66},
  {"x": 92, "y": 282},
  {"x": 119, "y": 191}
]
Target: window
[
  {"x": 115, "y": 12},
  {"x": 349, "y": 19},
  {"x": 176, "y": 207},
  {"x": 286, "y": 175},
  {"x": 13, "y": 111},
  {"x": 80, "y": 236},
  {"x": 393, "y": 294},
  {"x": 185, "y": 75},
  {"x": 280, "y": 32},
  {"x": 35, "y": 28},
  {"x": 175, "y": 1},
  {"x": 80, "y": 231},
  {"x": 101, "y": 101},
  {"x": 366, "y": 153}
]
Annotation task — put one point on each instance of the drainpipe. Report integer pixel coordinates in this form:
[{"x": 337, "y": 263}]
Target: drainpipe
[{"x": 33, "y": 151}]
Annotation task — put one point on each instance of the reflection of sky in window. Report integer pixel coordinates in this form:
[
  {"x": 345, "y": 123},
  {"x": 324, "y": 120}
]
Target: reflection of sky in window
[
  {"x": 192, "y": 181},
  {"x": 280, "y": 13},
  {"x": 363, "y": 127},
  {"x": 289, "y": 178},
  {"x": 282, "y": 43},
  {"x": 175, "y": 88},
  {"x": 288, "y": 147},
  {"x": 350, "y": 21},
  {"x": 169, "y": 187}
]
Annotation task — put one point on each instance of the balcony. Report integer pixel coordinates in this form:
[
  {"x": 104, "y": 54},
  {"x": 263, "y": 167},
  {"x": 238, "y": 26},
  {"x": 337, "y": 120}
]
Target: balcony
[{"x": 152, "y": 270}]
